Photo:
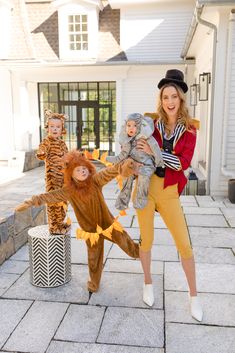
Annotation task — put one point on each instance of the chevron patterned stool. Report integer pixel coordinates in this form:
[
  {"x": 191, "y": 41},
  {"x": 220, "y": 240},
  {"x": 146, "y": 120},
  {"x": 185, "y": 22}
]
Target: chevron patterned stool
[{"x": 49, "y": 257}]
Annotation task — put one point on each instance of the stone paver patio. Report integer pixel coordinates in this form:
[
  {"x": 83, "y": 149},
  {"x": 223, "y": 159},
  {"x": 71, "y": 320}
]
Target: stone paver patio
[{"x": 67, "y": 319}]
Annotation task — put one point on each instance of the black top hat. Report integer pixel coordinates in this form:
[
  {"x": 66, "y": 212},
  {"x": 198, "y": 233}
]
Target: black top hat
[{"x": 176, "y": 77}]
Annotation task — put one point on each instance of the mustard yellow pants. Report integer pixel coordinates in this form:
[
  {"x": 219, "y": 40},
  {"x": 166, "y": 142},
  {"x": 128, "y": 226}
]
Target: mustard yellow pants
[{"x": 166, "y": 202}]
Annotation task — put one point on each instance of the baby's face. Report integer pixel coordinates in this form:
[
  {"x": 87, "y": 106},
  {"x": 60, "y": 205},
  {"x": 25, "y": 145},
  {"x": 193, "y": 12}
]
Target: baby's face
[
  {"x": 55, "y": 128},
  {"x": 80, "y": 173},
  {"x": 131, "y": 128}
]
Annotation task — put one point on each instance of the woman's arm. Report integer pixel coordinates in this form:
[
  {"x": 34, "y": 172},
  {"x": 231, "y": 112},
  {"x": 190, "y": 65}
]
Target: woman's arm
[
  {"x": 176, "y": 162},
  {"x": 182, "y": 160},
  {"x": 187, "y": 152}
]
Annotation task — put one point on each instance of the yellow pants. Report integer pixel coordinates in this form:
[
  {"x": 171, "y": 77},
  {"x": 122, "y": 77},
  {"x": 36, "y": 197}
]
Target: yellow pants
[{"x": 166, "y": 202}]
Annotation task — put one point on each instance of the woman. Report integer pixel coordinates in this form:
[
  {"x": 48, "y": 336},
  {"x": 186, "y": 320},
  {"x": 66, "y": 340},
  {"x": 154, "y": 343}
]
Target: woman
[{"x": 176, "y": 135}]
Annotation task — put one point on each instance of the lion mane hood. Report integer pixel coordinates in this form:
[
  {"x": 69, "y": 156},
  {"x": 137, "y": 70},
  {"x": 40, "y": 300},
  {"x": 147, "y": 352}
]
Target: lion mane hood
[{"x": 72, "y": 160}]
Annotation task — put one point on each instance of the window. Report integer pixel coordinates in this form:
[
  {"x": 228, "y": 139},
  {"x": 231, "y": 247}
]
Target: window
[
  {"x": 78, "y": 32},
  {"x": 91, "y": 111}
]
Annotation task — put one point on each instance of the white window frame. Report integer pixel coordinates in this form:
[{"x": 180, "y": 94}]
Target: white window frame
[
  {"x": 92, "y": 23},
  {"x": 78, "y": 32}
]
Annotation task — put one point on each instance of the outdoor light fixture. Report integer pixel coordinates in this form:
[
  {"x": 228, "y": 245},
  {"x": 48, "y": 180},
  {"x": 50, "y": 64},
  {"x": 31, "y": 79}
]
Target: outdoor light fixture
[
  {"x": 193, "y": 94},
  {"x": 204, "y": 81}
]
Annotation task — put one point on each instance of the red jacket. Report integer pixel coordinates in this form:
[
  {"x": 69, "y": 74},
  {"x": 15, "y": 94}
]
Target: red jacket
[{"x": 183, "y": 148}]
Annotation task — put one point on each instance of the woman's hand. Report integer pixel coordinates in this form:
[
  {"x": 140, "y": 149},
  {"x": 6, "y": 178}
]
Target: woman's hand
[{"x": 143, "y": 145}]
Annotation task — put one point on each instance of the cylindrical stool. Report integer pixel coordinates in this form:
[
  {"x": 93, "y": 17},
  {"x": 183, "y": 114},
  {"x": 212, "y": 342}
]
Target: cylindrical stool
[{"x": 49, "y": 257}]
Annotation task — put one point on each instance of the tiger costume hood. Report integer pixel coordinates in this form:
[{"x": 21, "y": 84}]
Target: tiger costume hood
[{"x": 48, "y": 114}]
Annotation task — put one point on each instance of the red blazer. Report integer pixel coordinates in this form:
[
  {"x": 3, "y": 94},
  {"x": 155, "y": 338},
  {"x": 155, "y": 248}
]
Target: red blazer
[{"x": 183, "y": 148}]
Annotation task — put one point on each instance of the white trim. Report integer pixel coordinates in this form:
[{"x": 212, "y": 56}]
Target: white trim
[
  {"x": 225, "y": 148},
  {"x": 92, "y": 17},
  {"x": 7, "y": 3},
  {"x": 58, "y": 3}
]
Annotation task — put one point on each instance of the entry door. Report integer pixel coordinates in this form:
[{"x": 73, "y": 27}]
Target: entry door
[
  {"x": 88, "y": 136},
  {"x": 71, "y": 124},
  {"x": 82, "y": 125}
]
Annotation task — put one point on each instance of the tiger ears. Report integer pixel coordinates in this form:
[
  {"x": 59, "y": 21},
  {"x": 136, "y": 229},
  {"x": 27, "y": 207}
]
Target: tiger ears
[{"x": 47, "y": 113}]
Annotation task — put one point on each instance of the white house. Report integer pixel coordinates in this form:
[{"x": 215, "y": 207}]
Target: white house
[
  {"x": 211, "y": 41},
  {"x": 97, "y": 61}
]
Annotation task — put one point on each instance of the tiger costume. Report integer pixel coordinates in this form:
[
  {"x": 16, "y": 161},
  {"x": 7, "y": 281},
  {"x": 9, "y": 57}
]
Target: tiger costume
[{"x": 52, "y": 150}]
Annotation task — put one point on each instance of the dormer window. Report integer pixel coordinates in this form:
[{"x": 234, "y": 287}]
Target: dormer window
[
  {"x": 78, "y": 28},
  {"x": 78, "y": 32}
]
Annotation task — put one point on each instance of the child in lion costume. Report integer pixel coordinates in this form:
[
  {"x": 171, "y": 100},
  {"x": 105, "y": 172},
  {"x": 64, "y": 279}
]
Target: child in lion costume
[{"x": 83, "y": 189}]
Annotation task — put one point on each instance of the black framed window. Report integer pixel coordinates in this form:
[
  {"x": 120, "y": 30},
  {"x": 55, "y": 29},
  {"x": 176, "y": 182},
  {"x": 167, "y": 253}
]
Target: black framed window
[{"x": 79, "y": 100}]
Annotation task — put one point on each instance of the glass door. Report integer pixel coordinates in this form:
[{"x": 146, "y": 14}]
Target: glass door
[
  {"x": 70, "y": 138},
  {"x": 88, "y": 126},
  {"x": 82, "y": 125},
  {"x": 91, "y": 111}
]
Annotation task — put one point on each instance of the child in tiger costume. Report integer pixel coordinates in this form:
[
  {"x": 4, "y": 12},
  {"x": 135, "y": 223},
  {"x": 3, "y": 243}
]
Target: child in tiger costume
[
  {"x": 83, "y": 189},
  {"x": 52, "y": 150}
]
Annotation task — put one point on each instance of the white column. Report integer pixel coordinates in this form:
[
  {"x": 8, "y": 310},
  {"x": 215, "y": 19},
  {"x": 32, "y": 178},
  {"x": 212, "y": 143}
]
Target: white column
[
  {"x": 6, "y": 115},
  {"x": 5, "y": 28},
  {"x": 119, "y": 112}
]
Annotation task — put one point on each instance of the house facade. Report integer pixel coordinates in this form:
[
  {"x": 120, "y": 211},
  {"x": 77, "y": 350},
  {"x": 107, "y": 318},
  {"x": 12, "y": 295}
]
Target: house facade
[
  {"x": 98, "y": 61},
  {"x": 211, "y": 42}
]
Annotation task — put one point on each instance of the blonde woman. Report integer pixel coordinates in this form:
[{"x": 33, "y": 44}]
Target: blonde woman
[{"x": 176, "y": 136}]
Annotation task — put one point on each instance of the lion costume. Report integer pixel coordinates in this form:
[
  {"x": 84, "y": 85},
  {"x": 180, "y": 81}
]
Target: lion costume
[{"x": 91, "y": 210}]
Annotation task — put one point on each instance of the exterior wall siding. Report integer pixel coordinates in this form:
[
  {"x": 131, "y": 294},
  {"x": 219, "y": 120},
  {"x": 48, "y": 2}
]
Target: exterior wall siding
[
  {"x": 43, "y": 20},
  {"x": 140, "y": 87},
  {"x": 155, "y": 34},
  {"x": 202, "y": 49},
  {"x": 218, "y": 182},
  {"x": 231, "y": 109},
  {"x": 228, "y": 120},
  {"x": 109, "y": 35},
  {"x": 202, "y": 109}
]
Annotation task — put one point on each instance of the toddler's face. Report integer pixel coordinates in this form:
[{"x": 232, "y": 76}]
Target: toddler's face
[
  {"x": 131, "y": 128},
  {"x": 54, "y": 127},
  {"x": 80, "y": 173}
]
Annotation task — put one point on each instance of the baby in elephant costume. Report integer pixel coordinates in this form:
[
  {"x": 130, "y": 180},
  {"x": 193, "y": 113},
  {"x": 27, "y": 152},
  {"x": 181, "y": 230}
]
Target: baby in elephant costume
[{"x": 137, "y": 127}]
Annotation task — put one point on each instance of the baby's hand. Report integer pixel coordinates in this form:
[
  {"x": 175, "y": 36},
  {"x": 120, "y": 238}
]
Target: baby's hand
[{"x": 23, "y": 206}]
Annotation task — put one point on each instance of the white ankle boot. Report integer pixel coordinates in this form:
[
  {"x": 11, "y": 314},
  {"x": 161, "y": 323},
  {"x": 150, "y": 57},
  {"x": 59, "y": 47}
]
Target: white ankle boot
[
  {"x": 148, "y": 296},
  {"x": 195, "y": 307}
]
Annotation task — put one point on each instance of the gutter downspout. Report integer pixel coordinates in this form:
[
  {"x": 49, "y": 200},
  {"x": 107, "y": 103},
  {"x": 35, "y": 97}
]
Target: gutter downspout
[
  {"x": 224, "y": 170},
  {"x": 191, "y": 31},
  {"x": 214, "y": 28}
]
